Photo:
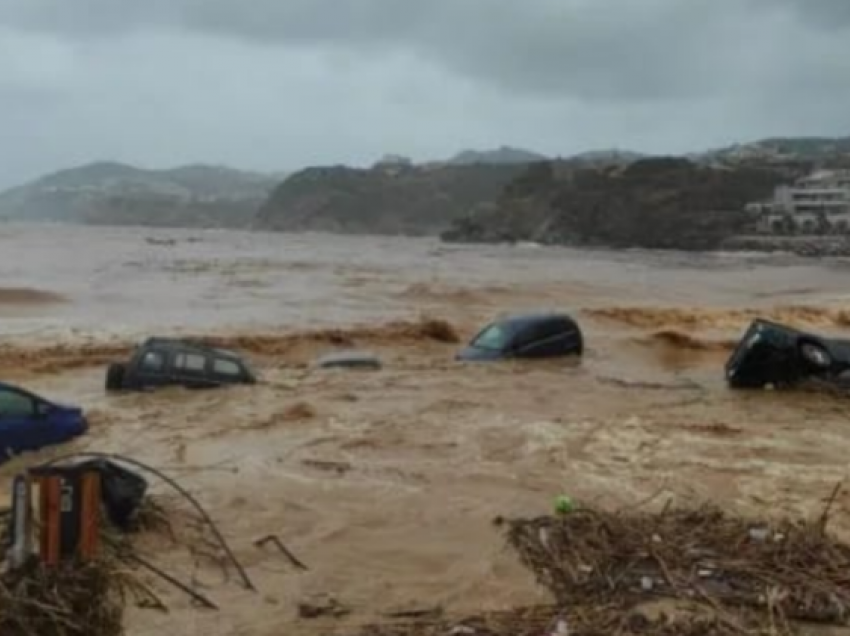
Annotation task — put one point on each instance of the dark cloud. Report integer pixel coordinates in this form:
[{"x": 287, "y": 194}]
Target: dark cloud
[
  {"x": 280, "y": 83},
  {"x": 828, "y": 14},
  {"x": 597, "y": 49}
]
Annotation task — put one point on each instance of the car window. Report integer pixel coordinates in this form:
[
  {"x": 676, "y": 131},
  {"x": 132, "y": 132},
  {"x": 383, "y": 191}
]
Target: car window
[
  {"x": 493, "y": 338},
  {"x": 226, "y": 367},
  {"x": 14, "y": 404},
  {"x": 193, "y": 362},
  {"x": 153, "y": 361}
]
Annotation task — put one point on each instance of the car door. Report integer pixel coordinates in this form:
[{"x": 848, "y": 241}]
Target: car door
[{"x": 22, "y": 428}]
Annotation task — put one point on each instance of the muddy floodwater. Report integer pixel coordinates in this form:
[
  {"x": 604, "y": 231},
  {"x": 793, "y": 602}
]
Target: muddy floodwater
[{"x": 386, "y": 483}]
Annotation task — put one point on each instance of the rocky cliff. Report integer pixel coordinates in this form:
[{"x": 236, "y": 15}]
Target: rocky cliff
[
  {"x": 652, "y": 203},
  {"x": 389, "y": 198},
  {"x": 118, "y": 194}
]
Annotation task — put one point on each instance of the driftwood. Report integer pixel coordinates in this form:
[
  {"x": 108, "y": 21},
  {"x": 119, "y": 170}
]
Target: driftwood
[
  {"x": 675, "y": 572},
  {"x": 69, "y": 601},
  {"x": 582, "y": 621},
  {"x": 790, "y": 569},
  {"x": 88, "y": 599}
]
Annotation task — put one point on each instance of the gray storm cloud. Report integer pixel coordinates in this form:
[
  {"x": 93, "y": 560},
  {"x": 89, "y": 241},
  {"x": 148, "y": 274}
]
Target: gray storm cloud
[
  {"x": 281, "y": 83},
  {"x": 601, "y": 48}
]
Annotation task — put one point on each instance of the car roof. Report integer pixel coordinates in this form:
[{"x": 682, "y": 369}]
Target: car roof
[{"x": 179, "y": 343}]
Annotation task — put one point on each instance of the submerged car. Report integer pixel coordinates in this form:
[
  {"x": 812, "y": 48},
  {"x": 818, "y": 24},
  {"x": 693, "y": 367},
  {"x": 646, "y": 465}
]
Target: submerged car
[
  {"x": 29, "y": 422},
  {"x": 161, "y": 362},
  {"x": 774, "y": 354},
  {"x": 526, "y": 336},
  {"x": 350, "y": 360}
]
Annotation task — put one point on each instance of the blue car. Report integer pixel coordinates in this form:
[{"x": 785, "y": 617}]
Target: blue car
[{"x": 29, "y": 422}]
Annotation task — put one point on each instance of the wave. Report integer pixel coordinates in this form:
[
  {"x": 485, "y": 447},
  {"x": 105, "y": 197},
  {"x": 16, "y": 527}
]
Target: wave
[
  {"x": 21, "y": 358},
  {"x": 721, "y": 319},
  {"x": 679, "y": 340}
]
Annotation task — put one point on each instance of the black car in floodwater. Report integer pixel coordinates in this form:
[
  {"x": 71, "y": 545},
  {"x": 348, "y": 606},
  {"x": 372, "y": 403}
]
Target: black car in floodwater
[
  {"x": 778, "y": 355},
  {"x": 171, "y": 362},
  {"x": 526, "y": 336}
]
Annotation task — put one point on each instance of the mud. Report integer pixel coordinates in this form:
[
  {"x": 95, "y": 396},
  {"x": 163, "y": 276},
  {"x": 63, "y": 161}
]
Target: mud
[{"x": 385, "y": 483}]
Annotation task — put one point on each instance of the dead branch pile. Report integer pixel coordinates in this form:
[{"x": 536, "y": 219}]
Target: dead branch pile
[
  {"x": 677, "y": 572},
  {"x": 791, "y": 569},
  {"x": 587, "y": 621},
  {"x": 87, "y": 599},
  {"x": 70, "y": 601}
]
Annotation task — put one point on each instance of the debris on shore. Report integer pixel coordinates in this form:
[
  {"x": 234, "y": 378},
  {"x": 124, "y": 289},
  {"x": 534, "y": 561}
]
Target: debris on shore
[
  {"x": 692, "y": 571},
  {"x": 75, "y": 600},
  {"x": 71, "y": 563}
]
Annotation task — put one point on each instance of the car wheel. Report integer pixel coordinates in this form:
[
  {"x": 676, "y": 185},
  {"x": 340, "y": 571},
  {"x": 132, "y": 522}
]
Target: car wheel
[
  {"x": 815, "y": 355},
  {"x": 115, "y": 377}
]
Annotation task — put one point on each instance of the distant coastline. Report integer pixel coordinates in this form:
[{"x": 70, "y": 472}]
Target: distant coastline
[{"x": 615, "y": 198}]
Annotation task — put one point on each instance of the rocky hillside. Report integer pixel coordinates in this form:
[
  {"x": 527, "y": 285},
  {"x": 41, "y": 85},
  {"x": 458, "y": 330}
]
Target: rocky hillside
[
  {"x": 114, "y": 193},
  {"x": 389, "y": 198},
  {"x": 653, "y": 203}
]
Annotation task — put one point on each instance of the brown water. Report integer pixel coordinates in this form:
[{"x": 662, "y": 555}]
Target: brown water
[{"x": 386, "y": 484}]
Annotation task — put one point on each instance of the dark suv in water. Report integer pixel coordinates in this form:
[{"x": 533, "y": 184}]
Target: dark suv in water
[
  {"x": 169, "y": 362},
  {"x": 771, "y": 353},
  {"x": 545, "y": 335}
]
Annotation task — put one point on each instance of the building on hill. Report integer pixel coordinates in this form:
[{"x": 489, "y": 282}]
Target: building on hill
[{"x": 816, "y": 204}]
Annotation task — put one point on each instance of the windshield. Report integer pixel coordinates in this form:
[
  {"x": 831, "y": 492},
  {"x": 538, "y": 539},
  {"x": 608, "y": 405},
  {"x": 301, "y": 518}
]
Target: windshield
[{"x": 493, "y": 338}]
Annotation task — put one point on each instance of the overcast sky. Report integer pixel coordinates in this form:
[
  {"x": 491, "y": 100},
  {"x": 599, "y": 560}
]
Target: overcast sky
[{"x": 279, "y": 84}]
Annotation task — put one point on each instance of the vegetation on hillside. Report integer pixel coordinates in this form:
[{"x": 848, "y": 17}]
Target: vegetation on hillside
[{"x": 654, "y": 203}]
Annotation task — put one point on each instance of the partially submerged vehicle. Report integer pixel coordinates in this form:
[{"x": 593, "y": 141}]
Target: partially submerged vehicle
[
  {"x": 774, "y": 354},
  {"x": 545, "y": 335},
  {"x": 29, "y": 422},
  {"x": 172, "y": 362},
  {"x": 350, "y": 360}
]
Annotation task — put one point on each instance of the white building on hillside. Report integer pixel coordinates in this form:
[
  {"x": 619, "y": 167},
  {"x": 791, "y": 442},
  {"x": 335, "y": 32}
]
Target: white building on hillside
[{"x": 816, "y": 204}]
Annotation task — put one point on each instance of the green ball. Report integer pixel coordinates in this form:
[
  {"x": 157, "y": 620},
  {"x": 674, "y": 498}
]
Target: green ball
[{"x": 563, "y": 505}]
